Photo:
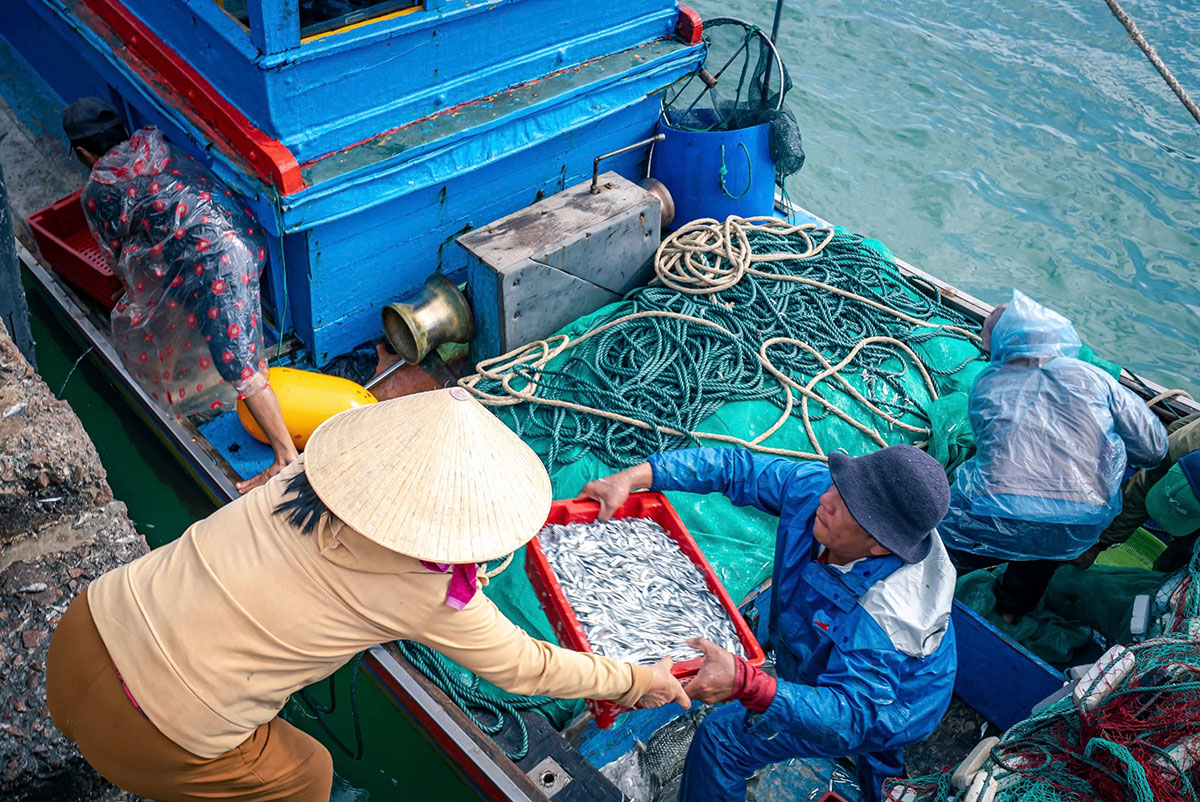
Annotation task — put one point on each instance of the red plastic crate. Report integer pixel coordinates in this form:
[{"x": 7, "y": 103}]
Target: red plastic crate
[
  {"x": 570, "y": 632},
  {"x": 66, "y": 244}
]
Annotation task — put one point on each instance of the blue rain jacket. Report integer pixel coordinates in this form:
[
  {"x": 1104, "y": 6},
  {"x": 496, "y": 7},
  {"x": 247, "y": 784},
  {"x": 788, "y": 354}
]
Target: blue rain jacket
[
  {"x": 866, "y": 658},
  {"x": 1052, "y": 438}
]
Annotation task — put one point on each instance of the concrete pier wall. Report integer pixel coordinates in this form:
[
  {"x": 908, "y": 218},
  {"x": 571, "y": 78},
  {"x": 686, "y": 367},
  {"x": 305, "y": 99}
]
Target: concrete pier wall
[{"x": 60, "y": 528}]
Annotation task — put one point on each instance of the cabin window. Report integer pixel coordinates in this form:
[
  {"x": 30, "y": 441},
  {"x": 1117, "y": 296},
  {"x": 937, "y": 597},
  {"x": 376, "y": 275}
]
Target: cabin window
[
  {"x": 320, "y": 17},
  {"x": 326, "y": 16}
]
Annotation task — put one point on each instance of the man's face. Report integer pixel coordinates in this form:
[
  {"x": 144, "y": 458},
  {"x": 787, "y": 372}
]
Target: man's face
[{"x": 835, "y": 529}]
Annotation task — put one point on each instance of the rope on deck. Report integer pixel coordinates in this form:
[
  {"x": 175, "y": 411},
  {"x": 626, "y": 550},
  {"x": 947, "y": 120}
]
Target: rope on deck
[{"x": 727, "y": 293}]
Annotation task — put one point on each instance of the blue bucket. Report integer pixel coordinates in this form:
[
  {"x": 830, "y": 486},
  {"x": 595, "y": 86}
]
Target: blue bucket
[{"x": 716, "y": 173}]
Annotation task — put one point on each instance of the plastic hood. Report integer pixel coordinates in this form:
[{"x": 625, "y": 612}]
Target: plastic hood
[{"x": 1028, "y": 329}]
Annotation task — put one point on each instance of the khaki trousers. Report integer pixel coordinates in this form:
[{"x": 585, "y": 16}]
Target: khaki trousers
[{"x": 90, "y": 706}]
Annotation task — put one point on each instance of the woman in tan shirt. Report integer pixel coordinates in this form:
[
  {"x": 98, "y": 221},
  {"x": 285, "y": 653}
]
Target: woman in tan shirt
[{"x": 169, "y": 672}]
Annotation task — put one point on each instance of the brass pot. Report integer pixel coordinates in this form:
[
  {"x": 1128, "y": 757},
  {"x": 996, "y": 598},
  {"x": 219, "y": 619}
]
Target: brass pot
[{"x": 438, "y": 313}]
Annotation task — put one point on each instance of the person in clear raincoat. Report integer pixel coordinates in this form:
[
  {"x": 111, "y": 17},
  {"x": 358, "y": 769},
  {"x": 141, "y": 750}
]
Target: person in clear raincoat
[
  {"x": 188, "y": 253},
  {"x": 1052, "y": 437}
]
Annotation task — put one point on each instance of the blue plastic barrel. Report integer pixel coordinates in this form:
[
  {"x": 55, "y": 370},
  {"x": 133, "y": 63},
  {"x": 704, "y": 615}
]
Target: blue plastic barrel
[{"x": 716, "y": 173}]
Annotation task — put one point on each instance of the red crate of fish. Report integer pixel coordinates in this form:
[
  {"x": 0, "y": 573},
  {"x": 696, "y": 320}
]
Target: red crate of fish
[
  {"x": 558, "y": 609},
  {"x": 66, "y": 244}
]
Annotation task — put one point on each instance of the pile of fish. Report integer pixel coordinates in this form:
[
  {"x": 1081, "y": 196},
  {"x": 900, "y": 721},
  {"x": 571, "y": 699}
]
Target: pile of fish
[{"x": 637, "y": 596}]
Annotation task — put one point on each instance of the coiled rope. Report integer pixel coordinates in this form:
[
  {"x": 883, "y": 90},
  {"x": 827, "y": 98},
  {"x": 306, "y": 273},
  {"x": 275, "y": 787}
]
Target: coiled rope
[{"x": 688, "y": 345}]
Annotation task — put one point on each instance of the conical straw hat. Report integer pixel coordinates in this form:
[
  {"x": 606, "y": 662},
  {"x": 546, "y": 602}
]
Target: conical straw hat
[{"x": 432, "y": 475}]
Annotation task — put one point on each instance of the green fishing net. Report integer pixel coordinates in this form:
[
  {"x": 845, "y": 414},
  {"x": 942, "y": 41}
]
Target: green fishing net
[{"x": 1129, "y": 733}]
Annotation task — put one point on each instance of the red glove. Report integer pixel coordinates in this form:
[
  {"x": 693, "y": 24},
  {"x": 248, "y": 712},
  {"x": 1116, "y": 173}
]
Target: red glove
[{"x": 753, "y": 687}]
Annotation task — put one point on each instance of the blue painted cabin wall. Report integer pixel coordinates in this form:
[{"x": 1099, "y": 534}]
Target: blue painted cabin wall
[
  {"x": 366, "y": 261},
  {"x": 74, "y": 63},
  {"x": 334, "y": 91},
  {"x": 357, "y": 240}
]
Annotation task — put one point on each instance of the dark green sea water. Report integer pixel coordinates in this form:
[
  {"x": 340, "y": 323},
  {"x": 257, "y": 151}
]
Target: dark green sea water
[{"x": 994, "y": 145}]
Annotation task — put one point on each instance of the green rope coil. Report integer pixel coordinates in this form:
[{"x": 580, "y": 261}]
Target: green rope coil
[
  {"x": 749, "y": 170},
  {"x": 1135, "y": 773},
  {"x": 678, "y": 350}
]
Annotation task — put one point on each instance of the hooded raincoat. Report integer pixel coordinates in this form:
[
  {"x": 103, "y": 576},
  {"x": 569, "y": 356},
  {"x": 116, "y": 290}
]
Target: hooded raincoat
[
  {"x": 865, "y": 653},
  {"x": 189, "y": 254},
  {"x": 1052, "y": 437}
]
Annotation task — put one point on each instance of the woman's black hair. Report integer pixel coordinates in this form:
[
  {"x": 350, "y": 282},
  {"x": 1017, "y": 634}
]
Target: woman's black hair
[
  {"x": 102, "y": 142},
  {"x": 305, "y": 508}
]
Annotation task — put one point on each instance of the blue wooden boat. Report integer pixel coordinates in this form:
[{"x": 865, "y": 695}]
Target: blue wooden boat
[{"x": 365, "y": 146}]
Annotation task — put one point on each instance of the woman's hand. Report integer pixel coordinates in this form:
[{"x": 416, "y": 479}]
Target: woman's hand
[
  {"x": 665, "y": 688},
  {"x": 613, "y": 491}
]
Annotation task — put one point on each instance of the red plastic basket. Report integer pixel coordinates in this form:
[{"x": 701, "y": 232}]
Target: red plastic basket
[
  {"x": 570, "y": 633},
  {"x": 66, "y": 244}
]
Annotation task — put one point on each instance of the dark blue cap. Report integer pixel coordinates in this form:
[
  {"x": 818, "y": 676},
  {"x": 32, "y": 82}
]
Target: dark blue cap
[
  {"x": 898, "y": 495},
  {"x": 88, "y": 116}
]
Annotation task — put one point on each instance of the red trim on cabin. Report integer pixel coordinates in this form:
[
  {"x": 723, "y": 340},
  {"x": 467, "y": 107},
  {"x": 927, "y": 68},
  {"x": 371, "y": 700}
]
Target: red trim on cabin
[
  {"x": 688, "y": 28},
  {"x": 267, "y": 157}
]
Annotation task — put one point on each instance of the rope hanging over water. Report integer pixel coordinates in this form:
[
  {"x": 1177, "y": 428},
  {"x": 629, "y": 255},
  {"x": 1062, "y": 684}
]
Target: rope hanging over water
[
  {"x": 1148, "y": 49},
  {"x": 741, "y": 310}
]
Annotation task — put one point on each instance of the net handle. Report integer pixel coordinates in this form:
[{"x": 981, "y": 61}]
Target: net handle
[{"x": 757, "y": 32}]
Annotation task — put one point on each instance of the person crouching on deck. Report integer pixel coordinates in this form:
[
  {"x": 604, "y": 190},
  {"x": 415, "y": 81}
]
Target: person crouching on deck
[
  {"x": 860, "y": 612},
  {"x": 168, "y": 673},
  {"x": 1052, "y": 437},
  {"x": 188, "y": 253}
]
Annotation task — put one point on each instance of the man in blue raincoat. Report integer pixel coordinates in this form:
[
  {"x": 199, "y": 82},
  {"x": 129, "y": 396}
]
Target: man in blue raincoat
[
  {"x": 1053, "y": 435},
  {"x": 860, "y": 613}
]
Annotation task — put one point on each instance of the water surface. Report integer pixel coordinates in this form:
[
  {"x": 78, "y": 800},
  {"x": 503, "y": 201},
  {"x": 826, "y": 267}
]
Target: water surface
[{"x": 999, "y": 145}]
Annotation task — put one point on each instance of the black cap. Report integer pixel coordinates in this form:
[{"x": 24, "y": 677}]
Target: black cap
[
  {"x": 89, "y": 116},
  {"x": 898, "y": 494}
]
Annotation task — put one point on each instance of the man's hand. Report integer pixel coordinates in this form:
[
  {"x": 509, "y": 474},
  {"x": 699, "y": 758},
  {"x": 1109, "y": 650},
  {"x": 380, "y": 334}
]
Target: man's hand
[
  {"x": 665, "y": 688},
  {"x": 1085, "y": 560},
  {"x": 613, "y": 491},
  {"x": 610, "y": 491},
  {"x": 714, "y": 683}
]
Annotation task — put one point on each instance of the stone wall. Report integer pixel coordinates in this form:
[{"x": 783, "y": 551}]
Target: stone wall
[{"x": 59, "y": 529}]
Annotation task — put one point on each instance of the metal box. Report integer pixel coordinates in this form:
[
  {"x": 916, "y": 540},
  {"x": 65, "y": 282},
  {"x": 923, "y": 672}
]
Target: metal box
[{"x": 536, "y": 270}]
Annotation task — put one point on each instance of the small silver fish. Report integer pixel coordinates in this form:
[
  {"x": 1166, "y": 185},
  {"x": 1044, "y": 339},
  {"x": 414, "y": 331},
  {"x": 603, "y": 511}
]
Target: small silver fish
[{"x": 636, "y": 595}]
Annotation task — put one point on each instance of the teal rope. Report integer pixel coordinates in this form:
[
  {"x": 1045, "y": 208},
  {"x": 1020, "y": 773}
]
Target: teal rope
[
  {"x": 725, "y": 171},
  {"x": 678, "y": 373},
  {"x": 478, "y": 703},
  {"x": 1135, "y": 774}
]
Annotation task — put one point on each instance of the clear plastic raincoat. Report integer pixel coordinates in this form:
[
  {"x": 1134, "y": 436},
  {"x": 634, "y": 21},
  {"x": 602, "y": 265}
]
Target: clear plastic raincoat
[
  {"x": 1052, "y": 437},
  {"x": 189, "y": 255}
]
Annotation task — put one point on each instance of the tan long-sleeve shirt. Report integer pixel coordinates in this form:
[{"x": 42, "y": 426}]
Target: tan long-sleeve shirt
[{"x": 214, "y": 631}]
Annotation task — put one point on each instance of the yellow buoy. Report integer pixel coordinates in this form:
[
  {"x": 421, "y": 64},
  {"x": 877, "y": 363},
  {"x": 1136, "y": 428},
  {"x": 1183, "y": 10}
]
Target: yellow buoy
[{"x": 308, "y": 399}]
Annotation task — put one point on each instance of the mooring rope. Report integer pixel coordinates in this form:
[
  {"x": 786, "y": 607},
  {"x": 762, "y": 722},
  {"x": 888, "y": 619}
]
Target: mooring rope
[
  {"x": 704, "y": 261},
  {"x": 1152, "y": 54}
]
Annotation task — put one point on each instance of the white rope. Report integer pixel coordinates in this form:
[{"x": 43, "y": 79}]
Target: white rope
[{"x": 678, "y": 264}]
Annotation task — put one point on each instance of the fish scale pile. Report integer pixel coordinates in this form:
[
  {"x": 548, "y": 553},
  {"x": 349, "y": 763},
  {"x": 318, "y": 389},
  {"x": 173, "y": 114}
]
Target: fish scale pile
[{"x": 637, "y": 596}]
